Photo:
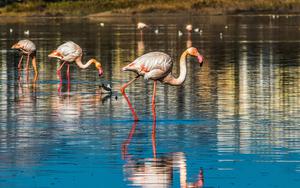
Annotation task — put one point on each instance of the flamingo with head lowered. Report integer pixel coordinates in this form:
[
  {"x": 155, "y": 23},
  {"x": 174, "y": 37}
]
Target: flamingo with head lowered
[
  {"x": 27, "y": 48},
  {"x": 157, "y": 66},
  {"x": 71, "y": 52}
]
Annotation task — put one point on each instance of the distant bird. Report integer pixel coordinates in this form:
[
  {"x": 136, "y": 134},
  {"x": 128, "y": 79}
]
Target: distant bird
[
  {"x": 11, "y": 30},
  {"x": 196, "y": 30},
  {"x": 226, "y": 27},
  {"x": 102, "y": 24},
  {"x": 157, "y": 66},
  {"x": 26, "y": 32},
  {"x": 141, "y": 25},
  {"x": 180, "y": 33},
  {"x": 71, "y": 52},
  {"x": 28, "y": 48},
  {"x": 189, "y": 27},
  {"x": 156, "y": 31}
]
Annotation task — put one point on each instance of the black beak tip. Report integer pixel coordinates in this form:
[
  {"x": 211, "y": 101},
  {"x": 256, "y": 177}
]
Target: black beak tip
[{"x": 201, "y": 64}]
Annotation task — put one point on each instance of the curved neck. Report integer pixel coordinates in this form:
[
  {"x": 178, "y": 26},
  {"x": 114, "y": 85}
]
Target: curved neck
[
  {"x": 170, "y": 79},
  {"x": 83, "y": 66}
]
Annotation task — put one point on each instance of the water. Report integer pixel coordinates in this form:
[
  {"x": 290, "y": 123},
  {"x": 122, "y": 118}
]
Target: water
[{"x": 235, "y": 120}]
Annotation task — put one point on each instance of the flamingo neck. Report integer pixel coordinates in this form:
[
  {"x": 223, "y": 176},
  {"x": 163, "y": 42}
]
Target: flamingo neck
[
  {"x": 78, "y": 61},
  {"x": 170, "y": 79}
]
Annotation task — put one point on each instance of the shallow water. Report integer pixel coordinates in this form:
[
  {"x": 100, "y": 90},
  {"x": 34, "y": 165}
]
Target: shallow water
[{"x": 236, "y": 119}]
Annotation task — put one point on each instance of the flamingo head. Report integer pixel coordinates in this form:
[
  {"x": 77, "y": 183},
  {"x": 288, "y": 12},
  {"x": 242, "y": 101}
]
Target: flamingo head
[
  {"x": 16, "y": 46},
  {"x": 55, "y": 54},
  {"x": 194, "y": 52},
  {"x": 98, "y": 66}
]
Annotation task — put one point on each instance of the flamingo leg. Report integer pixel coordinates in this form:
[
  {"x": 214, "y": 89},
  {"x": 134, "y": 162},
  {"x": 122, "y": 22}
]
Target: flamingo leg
[
  {"x": 125, "y": 96},
  {"x": 59, "y": 75},
  {"x": 127, "y": 141},
  {"x": 154, "y": 139},
  {"x": 58, "y": 70},
  {"x": 27, "y": 62},
  {"x": 153, "y": 101},
  {"x": 34, "y": 67},
  {"x": 20, "y": 61},
  {"x": 68, "y": 75}
]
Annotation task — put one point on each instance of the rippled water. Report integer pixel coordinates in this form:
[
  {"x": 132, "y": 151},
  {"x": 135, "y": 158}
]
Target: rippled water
[{"x": 234, "y": 122}]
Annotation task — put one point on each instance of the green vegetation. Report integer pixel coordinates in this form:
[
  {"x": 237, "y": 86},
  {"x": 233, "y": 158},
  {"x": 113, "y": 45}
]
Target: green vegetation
[{"x": 86, "y": 7}]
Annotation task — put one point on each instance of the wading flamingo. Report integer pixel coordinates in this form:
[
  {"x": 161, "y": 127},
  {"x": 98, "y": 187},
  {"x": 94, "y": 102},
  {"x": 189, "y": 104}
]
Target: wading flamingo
[
  {"x": 27, "y": 48},
  {"x": 141, "y": 25},
  {"x": 71, "y": 52},
  {"x": 189, "y": 27},
  {"x": 157, "y": 66}
]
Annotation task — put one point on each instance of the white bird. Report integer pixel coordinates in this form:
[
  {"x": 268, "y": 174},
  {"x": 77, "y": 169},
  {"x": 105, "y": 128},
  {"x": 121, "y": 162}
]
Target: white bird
[
  {"x": 156, "y": 31},
  {"x": 11, "y": 30},
  {"x": 180, "y": 33},
  {"x": 189, "y": 27},
  {"x": 102, "y": 24},
  {"x": 141, "y": 25},
  {"x": 226, "y": 27},
  {"x": 196, "y": 30},
  {"x": 26, "y": 32}
]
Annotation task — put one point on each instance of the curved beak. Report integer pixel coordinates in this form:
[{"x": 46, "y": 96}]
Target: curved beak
[
  {"x": 200, "y": 59},
  {"x": 100, "y": 71},
  {"x": 14, "y": 46}
]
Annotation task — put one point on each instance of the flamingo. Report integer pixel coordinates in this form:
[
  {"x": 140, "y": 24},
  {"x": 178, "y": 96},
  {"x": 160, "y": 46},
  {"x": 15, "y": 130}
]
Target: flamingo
[
  {"x": 157, "y": 66},
  {"x": 27, "y": 48},
  {"x": 189, "y": 27},
  {"x": 71, "y": 52},
  {"x": 141, "y": 25}
]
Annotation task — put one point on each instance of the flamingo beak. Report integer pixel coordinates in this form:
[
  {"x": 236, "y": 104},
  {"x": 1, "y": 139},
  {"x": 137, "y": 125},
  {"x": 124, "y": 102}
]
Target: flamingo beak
[
  {"x": 100, "y": 72},
  {"x": 200, "y": 59}
]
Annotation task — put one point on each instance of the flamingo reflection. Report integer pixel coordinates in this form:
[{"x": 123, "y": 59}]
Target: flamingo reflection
[{"x": 156, "y": 171}]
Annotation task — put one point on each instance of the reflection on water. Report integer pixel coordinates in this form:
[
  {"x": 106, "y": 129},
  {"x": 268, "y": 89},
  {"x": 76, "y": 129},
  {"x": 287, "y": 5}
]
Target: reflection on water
[
  {"x": 156, "y": 171},
  {"x": 237, "y": 117}
]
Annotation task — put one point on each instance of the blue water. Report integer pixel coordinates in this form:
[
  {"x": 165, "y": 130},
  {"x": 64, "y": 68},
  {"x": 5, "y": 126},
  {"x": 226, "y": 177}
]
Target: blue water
[{"x": 236, "y": 119}]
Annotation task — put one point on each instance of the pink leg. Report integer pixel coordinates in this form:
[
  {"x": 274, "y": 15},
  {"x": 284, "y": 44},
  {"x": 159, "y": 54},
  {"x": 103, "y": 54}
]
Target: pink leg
[
  {"x": 27, "y": 62},
  {"x": 58, "y": 70},
  {"x": 68, "y": 75},
  {"x": 125, "y": 96},
  {"x": 127, "y": 141},
  {"x": 154, "y": 121},
  {"x": 59, "y": 75},
  {"x": 20, "y": 61},
  {"x": 154, "y": 139},
  {"x": 153, "y": 101}
]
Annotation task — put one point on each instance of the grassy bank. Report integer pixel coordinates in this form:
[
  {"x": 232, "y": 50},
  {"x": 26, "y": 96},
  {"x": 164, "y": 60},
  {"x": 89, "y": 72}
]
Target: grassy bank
[{"x": 87, "y": 7}]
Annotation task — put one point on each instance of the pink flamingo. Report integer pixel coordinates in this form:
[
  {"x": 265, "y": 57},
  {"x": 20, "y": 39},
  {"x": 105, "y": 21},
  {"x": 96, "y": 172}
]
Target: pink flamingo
[
  {"x": 71, "y": 52},
  {"x": 28, "y": 48},
  {"x": 157, "y": 66}
]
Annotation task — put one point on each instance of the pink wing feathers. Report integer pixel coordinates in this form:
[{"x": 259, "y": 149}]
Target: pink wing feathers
[
  {"x": 69, "y": 51},
  {"x": 149, "y": 62}
]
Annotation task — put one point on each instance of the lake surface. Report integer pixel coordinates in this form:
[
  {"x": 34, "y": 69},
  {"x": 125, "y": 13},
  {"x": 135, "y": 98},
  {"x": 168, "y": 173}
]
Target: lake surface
[{"x": 234, "y": 123}]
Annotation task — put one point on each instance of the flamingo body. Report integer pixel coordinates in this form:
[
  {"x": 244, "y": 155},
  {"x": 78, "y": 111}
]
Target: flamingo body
[
  {"x": 141, "y": 25},
  {"x": 189, "y": 27},
  {"x": 25, "y": 46},
  {"x": 69, "y": 51},
  {"x": 146, "y": 64}
]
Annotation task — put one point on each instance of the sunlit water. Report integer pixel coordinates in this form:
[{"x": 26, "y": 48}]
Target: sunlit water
[{"x": 236, "y": 119}]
